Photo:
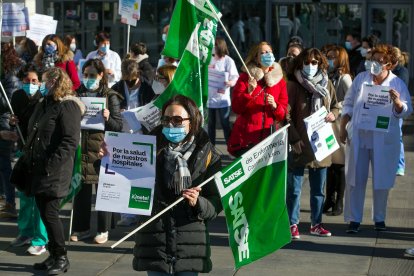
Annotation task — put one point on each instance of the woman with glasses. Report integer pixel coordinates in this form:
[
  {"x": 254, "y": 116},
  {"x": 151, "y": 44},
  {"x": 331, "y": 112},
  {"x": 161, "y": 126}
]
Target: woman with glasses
[
  {"x": 94, "y": 84},
  {"x": 381, "y": 150},
  {"x": 308, "y": 92},
  {"x": 260, "y": 102},
  {"x": 339, "y": 74},
  {"x": 177, "y": 243}
]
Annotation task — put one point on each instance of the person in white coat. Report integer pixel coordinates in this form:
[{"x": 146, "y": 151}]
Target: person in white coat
[{"x": 380, "y": 149}]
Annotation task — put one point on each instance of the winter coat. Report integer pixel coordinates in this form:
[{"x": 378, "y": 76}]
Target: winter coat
[
  {"x": 147, "y": 71},
  {"x": 91, "y": 140},
  {"x": 386, "y": 145},
  {"x": 145, "y": 93},
  {"x": 54, "y": 131},
  {"x": 179, "y": 240},
  {"x": 300, "y": 108},
  {"x": 254, "y": 116}
]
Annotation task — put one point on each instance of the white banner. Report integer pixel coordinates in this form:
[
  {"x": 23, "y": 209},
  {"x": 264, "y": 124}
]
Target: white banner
[
  {"x": 130, "y": 11},
  {"x": 40, "y": 26},
  {"x": 93, "y": 118},
  {"x": 320, "y": 134},
  {"x": 376, "y": 110},
  {"x": 15, "y": 19},
  {"x": 217, "y": 79},
  {"x": 127, "y": 174}
]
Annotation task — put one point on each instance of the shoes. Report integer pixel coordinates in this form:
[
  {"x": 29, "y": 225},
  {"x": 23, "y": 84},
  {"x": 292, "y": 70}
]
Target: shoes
[
  {"x": 410, "y": 251},
  {"x": 36, "y": 250},
  {"x": 318, "y": 230},
  {"x": 20, "y": 241},
  {"x": 101, "y": 237},
  {"x": 380, "y": 226},
  {"x": 127, "y": 221},
  {"x": 8, "y": 211},
  {"x": 79, "y": 236},
  {"x": 353, "y": 227},
  {"x": 337, "y": 209},
  {"x": 328, "y": 205},
  {"x": 61, "y": 265},
  {"x": 46, "y": 264},
  {"x": 400, "y": 172},
  {"x": 294, "y": 231}
]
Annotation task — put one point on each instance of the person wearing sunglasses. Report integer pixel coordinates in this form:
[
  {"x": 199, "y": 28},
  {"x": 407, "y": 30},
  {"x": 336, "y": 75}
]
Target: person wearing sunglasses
[
  {"x": 178, "y": 243},
  {"x": 381, "y": 150},
  {"x": 260, "y": 102},
  {"x": 310, "y": 90},
  {"x": 94, "y": 84}
]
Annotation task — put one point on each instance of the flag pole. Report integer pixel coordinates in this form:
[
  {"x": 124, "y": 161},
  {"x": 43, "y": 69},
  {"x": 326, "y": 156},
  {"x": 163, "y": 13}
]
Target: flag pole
[
  {"x": 228, "y": 36},
  {"x": 156, "y": 216},
  {"x": 128, "y": 34},
  {"x": 11, "y": 111},
  {"x": 71, "y": 220}
]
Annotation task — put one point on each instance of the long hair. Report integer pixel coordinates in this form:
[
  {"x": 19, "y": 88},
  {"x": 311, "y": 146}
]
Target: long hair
[
  {"x": 167, "y": 71},
  {"x": 307, "y": 55},
  {"x": 62, "y": 50},
  {"x": 130, "y": 69},
  {"x": 100, "y": 68},
  {"x": 63, "y": 84},
  {"x": 343, "y": 60},
  {"x": 251, "y": 59},
  {"x": 68, "y": 40},
  {"x": 29, "y": 47},
  {"x": 9, "y": 58},
  {"x": 221, "y": 47}
]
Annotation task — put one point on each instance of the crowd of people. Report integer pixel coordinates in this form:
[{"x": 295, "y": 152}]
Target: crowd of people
[{"x": 43, "y": 85}]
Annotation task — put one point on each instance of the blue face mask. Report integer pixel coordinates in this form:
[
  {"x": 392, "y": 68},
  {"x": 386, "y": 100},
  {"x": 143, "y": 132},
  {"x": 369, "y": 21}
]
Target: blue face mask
[
  {"x": 104, "y": 48},
  {"x": 50, "y": 49},
  {"x": 267, "y": 59},
  {"x": 331, "y": 64},
  {"x": 43, "y": 89},
  {"x": 368, "y": 65},
  {"x": 91, "y": 84},
  {"x": 30, "y": 88},
  {"x": 310, "y": 70},
  {"x": 174, "y": 134},
  {"x": 348, "y": 45}
]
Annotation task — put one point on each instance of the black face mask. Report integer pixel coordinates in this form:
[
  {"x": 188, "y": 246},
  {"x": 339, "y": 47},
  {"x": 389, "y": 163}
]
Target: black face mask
[{"x": 131, "y": 83}]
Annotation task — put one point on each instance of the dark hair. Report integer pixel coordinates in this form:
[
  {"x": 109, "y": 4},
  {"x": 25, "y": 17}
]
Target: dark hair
[
  {"x": 221, "y": 47},
  {"x": 9, "y": 57},
  {"x": 30, "y": 48},
  {"x": 138, "y": 48},
  {"x": 372, "y": 40},
  {"x": 294, "y": 45},
  {"x": 130, "y": 68},
  {"x": 306, "y": 55},
  {"x": 30, "y": 67},
  {"x": 100, "y": 67},
  {"x": 101, "y": 37},
  {"x": 193, "y": 112},
  {"x": 355, "y": 36},
  {"x": 68, "y": 40},
  {"x": 295, "y": 40}
]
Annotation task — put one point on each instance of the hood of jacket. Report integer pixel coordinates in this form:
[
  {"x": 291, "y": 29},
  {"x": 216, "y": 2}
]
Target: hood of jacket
[
  {"x": 77, "y": 101},
  {"x": 271, "y": 78}
]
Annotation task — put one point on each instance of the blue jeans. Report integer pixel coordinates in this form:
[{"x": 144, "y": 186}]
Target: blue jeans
[
  {"x": 401, "y": 162},
  {"x": 184, "y": 273},
  {"x": 224, "y": 115},
  {"x": 5, "y": 172},
  {"x": 317, "y": 179}
]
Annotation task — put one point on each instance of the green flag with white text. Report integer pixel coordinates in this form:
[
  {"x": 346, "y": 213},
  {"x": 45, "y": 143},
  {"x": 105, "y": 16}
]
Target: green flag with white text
[
  {"x": 186, "y": 15},
  {"x": 253, "y": 194}
]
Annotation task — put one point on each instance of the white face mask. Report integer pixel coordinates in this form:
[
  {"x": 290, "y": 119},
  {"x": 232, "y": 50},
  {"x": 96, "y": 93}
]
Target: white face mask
[
  {"x": 364, "y": 52},
  {"x": 72, "y": 47},
  {"x": 157, "y": 87}
]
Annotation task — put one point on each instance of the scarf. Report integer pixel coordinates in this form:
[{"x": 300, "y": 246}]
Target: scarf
[
  {"x": 317, "y": 86},
  {"x": 49, "y": 60},
  {"x": 177, "y": 167}
]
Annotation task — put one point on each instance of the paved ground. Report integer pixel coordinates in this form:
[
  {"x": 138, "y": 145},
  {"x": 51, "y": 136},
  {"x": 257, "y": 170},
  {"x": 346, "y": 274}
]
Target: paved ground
[{"x": 367, "y": 253}]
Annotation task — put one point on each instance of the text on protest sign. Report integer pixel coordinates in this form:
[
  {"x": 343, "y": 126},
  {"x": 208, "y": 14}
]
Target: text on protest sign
[{"x": 93, "y": 118}]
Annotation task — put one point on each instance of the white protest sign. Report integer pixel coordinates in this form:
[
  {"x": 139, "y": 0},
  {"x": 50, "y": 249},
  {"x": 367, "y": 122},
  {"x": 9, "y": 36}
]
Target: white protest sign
[
  {"x": 127, "y": 174},
  {"x": 217, "y": 79},
  {"x": 321, "y": 135},
  {"x": 40, "y": 26},
  {"x": 93, "y": 118},
  {"x": 15, "y": 19},
  {"x": 376, "y": 110},
  {"x": 131, "y": 123},
  {"x": 130, "y": 11},
  {"x": 149, "y": 116}
]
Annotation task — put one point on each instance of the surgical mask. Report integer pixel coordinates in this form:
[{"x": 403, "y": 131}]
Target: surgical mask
[
  {"x": 368, "y": 65},
  {"x": 30, "y": 88},
  {"x": 376, "y": 68},
  {"x": 174, "y": 134},
  {"x": 91, "y": 84},
  {"x": 157, "y": 87},
  {"x": 50, "y": 49},
  {"x": 104, "y": 48},
  {"x": 348, "y": 45},
  {"x": 364, "y": 52},
  {"x": 267, "y": 59},
  {"x": 164, "y": 37},
  {"x": 43, "y": 89},
  {"x": 310, "y": 70},
  {"x": 331, "y": 64},
  {"x": 73, "y": 47}
]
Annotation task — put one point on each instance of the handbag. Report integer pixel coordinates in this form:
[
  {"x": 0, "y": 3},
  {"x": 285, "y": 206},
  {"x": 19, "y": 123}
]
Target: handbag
[{"x": 20, "y": 176}]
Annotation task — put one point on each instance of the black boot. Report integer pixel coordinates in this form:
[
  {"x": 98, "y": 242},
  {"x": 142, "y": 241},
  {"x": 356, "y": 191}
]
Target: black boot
[
  {"x": 340, "y": 190},
  {"x": 61, "y": 264},
  {"x": 330, "y": 191},
  {"x": 48, "y": 263}
]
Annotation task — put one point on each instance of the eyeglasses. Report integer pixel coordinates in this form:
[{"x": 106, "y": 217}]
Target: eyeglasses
[
  {"x": 174, "y": 120},
  {"x": 313, "y": 62}
]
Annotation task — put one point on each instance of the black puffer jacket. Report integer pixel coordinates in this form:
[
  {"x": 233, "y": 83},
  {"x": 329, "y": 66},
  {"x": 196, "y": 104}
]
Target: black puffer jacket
[
  {"x": 179, "y": 240},
  {"x": 145, "y": 94},
  {"x": 53, "y": 131},
  {"x": 92, "y": 139}
]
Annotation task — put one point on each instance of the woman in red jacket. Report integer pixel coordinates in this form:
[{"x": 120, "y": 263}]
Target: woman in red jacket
[
  {"x": 260, "y": 102},
  {"x": 54, "y": 53}
]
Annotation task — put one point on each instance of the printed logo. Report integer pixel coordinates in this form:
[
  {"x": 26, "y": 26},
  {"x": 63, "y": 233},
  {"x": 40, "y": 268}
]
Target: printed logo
[
  {"x": 382, "y": 122},
  {"x": 330, "y": 141},
  {"x": 112, "y": 134},
  {"x": 140, "y": 198},
  {"x": 232, "y": 175}
]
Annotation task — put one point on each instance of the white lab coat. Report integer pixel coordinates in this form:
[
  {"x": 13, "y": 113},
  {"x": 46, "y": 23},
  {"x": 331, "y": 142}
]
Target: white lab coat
[
  {"x": 111, "y": 61},
  {"x": 386, "y": 146}
]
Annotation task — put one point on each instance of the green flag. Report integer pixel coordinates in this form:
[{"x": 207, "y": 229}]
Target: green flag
[
  {"x": 75, "y": 183},
  {"x": 186, "y": 15},
  {"x": 253, "y": 191}
]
